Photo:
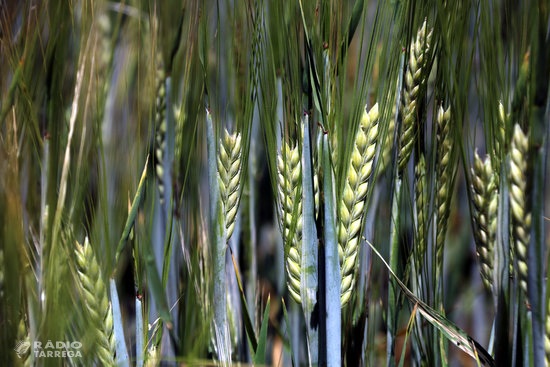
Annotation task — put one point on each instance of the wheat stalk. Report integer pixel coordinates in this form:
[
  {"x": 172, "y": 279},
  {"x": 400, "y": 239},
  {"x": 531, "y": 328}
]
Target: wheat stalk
[
  {"x": 94, "y": 294},
  {"x": 290, "y": 194},
  {"x": 352, "y": 206},
  {"x": 415, "y": 78},
  {"x": 229, "y": 177},
  {"x": 521, "y": 217},
  {"x": 485, "y": 200}
]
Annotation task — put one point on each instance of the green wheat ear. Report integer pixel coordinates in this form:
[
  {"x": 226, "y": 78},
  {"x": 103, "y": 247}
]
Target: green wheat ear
[
  {"x": 229, "y": 177},
  {"x": 521, "y": 217},
  {"x": 352, "y": 206},
  {"x": 290, "y": 194},
  {"x": 94, "y": 295},
  {"x": 444, "y": 180},
  {"x": 160, "y": 132},
  {"x": 415, "y": 78},
  {"x": 421, "y": 202},
  {"x": 485, "y": 200}
]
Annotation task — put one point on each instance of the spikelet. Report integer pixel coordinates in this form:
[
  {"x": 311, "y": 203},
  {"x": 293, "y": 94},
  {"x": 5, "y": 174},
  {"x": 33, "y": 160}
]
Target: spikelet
[
  {"x": 500, "y": 135},
  {"x": 521, "y": 217},
  {"x": 421, "y": 201},
  {"x": 229, "y": 177},
  {"x": 352, "y": 206},
  {"x": 485, "y": 200},
  {"x": 415, "y": 78},
  {"x": 444, "y": 180},
  {"x": 290, "y": 195},
  {"x": 160, "y": 129},
  {"x": 94, "y": 295}
]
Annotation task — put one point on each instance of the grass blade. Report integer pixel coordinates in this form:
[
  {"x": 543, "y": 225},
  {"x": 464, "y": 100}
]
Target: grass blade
[
  {"x": 259, "y": 356},
  {"x": 138, "y": 198},
  {"x": 452, "y": 332}
]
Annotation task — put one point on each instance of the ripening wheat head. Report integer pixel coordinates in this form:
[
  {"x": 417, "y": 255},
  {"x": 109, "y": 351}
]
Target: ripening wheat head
[
  {"x": 444, "y": 180},
  {"x": 421, "y": 201},
  {"x": 485, "y": 200},
  {"x": 352, "y": 206},
  {"x": 290, "y": 195},
  {"x": 94, "y": 295},
  {"x": 521, "y": 217},
  {"x": 415, "y": 78},
  {"x": 229, "y": 177},
  {"x": 160, "y": 129}
]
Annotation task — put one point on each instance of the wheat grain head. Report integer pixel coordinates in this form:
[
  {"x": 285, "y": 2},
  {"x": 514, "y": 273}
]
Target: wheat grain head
[
  {"x": 94, "y": 295},
  {"x": 229, "y": 177},
  {"x": 352, "y": 205}
]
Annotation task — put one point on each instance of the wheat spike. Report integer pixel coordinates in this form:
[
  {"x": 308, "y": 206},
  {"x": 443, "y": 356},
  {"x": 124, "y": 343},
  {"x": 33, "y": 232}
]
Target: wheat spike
[
  {"x": 521, "y": 217},
  {"x": 444, "y": 180},
  {"x": 160, "y": 132},
  {"x": 352, "y": 206},
  {"x": 94, "y": 294},
  {"x": 422, "y": 199},
  {"x": 290, "y": 195},
  {"x": 485, "y": 200},
  {"x": 229, "y": 177},
  {"x": 415, "y": 78}
]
